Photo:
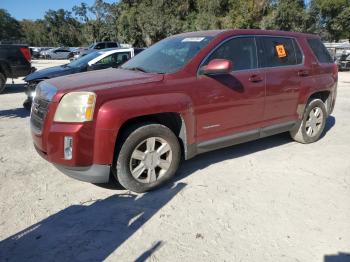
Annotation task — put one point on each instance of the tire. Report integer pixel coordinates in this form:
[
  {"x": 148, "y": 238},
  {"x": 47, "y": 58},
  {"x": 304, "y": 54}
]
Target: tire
[
  {"x": 27, "y": 104},
  {"x": 2, "y": 82},
  {"x": 156, "y": 160},
  {"x": 312, "y": 125}
]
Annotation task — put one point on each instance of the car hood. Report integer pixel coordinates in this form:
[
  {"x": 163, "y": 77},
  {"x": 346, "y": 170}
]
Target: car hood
[
  {"x": 50, "y": 73},
  {"x": 103, "y": 79}
]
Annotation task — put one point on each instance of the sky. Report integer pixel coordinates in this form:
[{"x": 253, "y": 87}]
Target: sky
[{"x": 35, "y": 9}]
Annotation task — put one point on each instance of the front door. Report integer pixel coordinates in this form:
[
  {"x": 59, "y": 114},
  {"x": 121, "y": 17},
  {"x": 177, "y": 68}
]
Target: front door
[{"x": 232, "y": 103}]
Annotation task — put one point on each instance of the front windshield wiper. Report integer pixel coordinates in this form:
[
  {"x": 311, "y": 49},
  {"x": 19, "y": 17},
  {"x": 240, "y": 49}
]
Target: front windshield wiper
[{"x": 136, "y": 68}]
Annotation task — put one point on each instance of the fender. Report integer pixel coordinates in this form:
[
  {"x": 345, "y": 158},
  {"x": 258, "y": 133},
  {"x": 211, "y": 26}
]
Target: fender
[
  {"x": 310, "y": 89},
  {"x": 113, "y": 114}
]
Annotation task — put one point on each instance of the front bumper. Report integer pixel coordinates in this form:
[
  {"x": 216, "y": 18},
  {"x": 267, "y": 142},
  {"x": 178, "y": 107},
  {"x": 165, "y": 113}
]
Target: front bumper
[{"x": 97, "y": 174}]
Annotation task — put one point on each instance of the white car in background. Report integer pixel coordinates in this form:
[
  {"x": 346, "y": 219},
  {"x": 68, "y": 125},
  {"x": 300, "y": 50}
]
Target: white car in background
[
  {"x": 57, "y": 53},
  {"x": 97, "y": 60}
]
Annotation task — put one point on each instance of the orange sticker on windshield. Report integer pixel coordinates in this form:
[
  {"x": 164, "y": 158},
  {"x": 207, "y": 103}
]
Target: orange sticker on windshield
[{"x": 281, "y": 52}]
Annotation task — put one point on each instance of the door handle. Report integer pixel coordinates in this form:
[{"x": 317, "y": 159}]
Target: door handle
[
  {"x": 255, "y": 78},
  {"x": 303, "y": 73}
]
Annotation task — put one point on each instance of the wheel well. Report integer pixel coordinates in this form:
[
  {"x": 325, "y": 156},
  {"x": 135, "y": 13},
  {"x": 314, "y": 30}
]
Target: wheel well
[
  {"x": 171, "y": 120},
  {"x": 323, "y": 95}
]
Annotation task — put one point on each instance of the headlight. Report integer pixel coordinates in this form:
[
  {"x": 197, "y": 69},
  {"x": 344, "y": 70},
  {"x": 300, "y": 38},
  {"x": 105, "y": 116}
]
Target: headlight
[{"x": 76, "y": 107}]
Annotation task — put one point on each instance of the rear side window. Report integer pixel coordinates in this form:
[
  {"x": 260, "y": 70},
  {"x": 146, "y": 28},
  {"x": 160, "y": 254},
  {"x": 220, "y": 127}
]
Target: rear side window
[
  {"x": 138, "y": 50},
  {"x": 100, "y": 46},
  {"x": 110, "y": 45},
  {"x": 279, "y": 51},
  {"x": 319, "y": 50},
  {"x": 241, "y": 51}
]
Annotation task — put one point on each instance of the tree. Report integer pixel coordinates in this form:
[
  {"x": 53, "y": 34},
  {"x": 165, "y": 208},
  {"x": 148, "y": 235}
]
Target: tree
[
  {"x": 62, "y": 28},
  {"x": 334, "y": 17},
  {"x": 10, "y": 28},
  {"x": 287, "y": 15},
  {"x": 99, "y": 21}
]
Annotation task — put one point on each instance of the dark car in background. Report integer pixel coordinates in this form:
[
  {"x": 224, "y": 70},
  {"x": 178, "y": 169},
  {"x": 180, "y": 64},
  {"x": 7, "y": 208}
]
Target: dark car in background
[
  {"x": 15, "y": 61},
  {"x": 93, "y": 47},
  {"x": 343, "y": 62},
  {"x": 97, "y": 60}
]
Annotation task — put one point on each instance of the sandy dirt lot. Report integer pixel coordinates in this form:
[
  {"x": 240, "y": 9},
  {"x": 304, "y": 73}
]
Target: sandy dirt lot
[{"x": 268, "y": 200}]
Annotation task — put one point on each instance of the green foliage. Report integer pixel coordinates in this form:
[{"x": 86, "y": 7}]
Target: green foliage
[
  {"x": 287, "y": 15},
  {"x": 9, "y": 27},
  {"x": 334, "y": 17},
  {"x": 144, "y": 22}
]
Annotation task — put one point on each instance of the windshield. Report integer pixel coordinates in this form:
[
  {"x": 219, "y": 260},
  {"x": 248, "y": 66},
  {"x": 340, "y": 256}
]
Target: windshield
[
  {"x": 168, "y": 55},
  {"x": 84, "y": 60}
]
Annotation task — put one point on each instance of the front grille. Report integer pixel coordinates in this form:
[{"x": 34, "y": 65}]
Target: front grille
[{"x": 39, "y": 110}]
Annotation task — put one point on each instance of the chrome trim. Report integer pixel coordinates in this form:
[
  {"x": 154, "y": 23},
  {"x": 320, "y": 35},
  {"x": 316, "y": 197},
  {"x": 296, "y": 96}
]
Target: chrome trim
[
  {"x": 45, "y": 91},
  {"x": 40, "y": 107}
]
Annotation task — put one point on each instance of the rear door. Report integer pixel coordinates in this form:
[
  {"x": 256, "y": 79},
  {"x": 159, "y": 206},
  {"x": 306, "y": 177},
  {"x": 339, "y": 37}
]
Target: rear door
[
  {"x": 234, "y": 102},
  {"x": 281, "y": 62},
  {"x": 323, "y": 67}
]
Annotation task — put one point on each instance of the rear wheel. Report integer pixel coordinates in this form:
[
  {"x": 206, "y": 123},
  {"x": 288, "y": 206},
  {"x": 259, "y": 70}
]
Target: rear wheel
[
  {"x": 312, "y": 124},
  {"x": 148, "y": 157},
  {"x": 2, "y": 82}
]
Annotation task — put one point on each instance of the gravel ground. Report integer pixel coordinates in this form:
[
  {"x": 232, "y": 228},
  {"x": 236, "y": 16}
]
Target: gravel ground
[{"x": 267, "y": 200}]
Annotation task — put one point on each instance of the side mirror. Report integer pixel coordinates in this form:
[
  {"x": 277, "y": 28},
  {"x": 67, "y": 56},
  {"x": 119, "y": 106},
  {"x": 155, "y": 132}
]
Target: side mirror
[{"x": 217, "y": 67}]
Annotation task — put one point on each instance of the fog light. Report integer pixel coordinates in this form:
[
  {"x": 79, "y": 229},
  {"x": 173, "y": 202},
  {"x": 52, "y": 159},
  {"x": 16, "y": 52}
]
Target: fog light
[{"x": 68, "y": 147}]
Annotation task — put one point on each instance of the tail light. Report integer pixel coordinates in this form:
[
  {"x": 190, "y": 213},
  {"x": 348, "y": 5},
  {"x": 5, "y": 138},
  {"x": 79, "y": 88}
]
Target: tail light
[{"x": 26, "y": 53}]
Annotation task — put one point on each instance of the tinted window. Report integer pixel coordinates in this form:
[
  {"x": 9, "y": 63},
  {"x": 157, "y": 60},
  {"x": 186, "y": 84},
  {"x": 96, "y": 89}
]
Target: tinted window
[
  {"x": 168, "y": 55},
  {"x": 298, "y": 53},
  {"x": 115, "y": 59},
  {"x": 320, "y": 51},
  {"x": 110, "y": 45},
  {"x": 241, "y": 51},
  {"x": 100, "y": 46},
  {"x": 278, "y": 51},
  {"x": 138, "y": 50}
]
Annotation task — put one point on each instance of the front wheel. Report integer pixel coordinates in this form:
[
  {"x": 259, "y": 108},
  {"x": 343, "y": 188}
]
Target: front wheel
[
  {"x": 149, "y": 156},
  {"x": 312, "y": 124}
]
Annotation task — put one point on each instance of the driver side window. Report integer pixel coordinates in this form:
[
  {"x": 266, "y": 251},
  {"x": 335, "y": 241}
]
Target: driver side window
[{"x": 241, "y": 51}]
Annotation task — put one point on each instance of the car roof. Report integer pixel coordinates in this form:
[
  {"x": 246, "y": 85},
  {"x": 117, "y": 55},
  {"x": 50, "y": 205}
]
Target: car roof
[
  {"x": 115, "y": 50},
  {"x": 227, "y": 32}
]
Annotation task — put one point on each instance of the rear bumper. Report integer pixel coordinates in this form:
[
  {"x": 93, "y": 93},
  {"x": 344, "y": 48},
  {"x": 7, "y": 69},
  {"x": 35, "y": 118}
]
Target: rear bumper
[{"x": 96, "y": 174}]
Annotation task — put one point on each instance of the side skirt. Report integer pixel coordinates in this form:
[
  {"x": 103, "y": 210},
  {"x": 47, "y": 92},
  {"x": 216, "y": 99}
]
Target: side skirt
[{"x": 239, "y": 138}]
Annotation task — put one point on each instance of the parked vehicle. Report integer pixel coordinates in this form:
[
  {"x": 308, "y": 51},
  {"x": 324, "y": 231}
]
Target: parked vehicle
[
  {"x": 15, "y": 61},
  {"x": 343, "y": 62},
  {"x": 57, "y": 53},
  {"x": 35, "y": 52},
  {"x": 43, "y": 51},
  {"x": 94, "y": 61},
  {"x": 188, "y": 94},
  {"x": 95, "y": 46}
]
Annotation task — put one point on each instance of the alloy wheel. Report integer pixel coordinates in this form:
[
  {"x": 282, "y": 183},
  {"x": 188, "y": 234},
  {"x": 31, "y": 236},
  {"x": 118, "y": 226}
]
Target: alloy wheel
[
  {"x": 150, "y": 160},
  {"x": 314, "y": 121}
]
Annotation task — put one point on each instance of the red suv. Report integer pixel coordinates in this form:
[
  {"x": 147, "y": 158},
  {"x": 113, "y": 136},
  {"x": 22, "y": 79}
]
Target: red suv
[{"x": 185, "y": 95}]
